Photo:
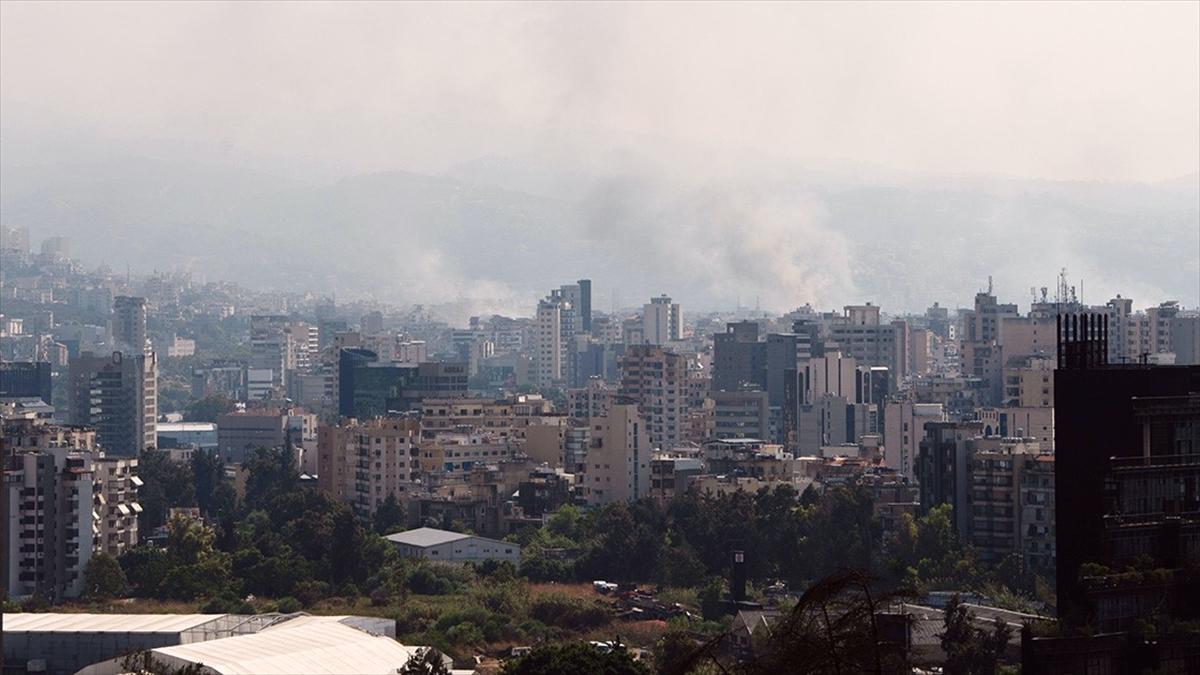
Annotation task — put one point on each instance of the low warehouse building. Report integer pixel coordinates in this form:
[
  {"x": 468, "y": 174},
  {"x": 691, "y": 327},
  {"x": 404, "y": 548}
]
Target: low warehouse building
[
  {"x": 445, "y": 546},
  {"x": 65, "y": 643}
]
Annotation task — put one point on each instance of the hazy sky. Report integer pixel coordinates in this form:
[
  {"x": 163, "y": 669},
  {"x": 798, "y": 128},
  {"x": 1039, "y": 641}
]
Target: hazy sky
[{"x": 1073, "y": 90}]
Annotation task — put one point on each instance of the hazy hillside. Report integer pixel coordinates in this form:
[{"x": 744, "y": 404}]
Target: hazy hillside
[{"x": 795, "y": 239}]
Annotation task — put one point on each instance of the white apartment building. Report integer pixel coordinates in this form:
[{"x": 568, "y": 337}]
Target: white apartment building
[{"x": 662, "y": 321}]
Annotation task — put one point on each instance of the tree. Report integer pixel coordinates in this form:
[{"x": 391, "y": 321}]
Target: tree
[
  {"x": 575, "y": 658},
  {"x": 167, "y": 484},
  {"x": 208, "y": 409},
  {"x": 389, "y": 517},
  {"x": 711, "y": 606},
  {"x": 271, "y": 472},
  {"x": 427, "y": 661},
  {"x": 970, "y": 650},
  {"x": 214, "y": 496},
  {"x": 832, "y": 629},
  {"x": 674, "y": 653},
  {"x": 103, "y": 579}
]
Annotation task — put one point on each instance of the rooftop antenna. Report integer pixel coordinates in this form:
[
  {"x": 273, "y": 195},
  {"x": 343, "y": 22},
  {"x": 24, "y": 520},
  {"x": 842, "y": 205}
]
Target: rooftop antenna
[{"x": 989, "y": 284}]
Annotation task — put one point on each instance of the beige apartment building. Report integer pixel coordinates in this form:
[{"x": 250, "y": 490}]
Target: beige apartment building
[
  {"x": 364, "y": 463},
  {"x": 657, "y": 381},
  {"x": 618, "y": 461}
]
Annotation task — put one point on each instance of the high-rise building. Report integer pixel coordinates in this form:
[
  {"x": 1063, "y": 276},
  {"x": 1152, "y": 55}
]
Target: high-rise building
[
  {"x": 552, "y": 333},
  {"x": 129, "y": 325},
  {"x": 656, "y": 380},
  {"x": 371, "y": 323},
  {"x": 860, "y": 333},
  {"x": 585, "y": 305},
  {"x": 741, "y": 414},
  {"x": 1127, "y": 455},
  {"x": 739, "y": 358},
  {"x": 63, "y": 501},
  {"x": 366, "y": 462},
  {"x": 283, "y": 347},
  {"x": 117, "y": 395},
  {"x": 616, "y": 466},
  {"x": 1185, "y": 339},
  {"x": 25, "y": 379},
  {"x": 662, "y": 321}
]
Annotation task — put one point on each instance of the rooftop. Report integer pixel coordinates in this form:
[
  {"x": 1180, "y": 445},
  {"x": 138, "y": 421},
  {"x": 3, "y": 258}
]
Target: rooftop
[
  {"x": 425, "y": 536},
  {"x": 104, "y": 623},
  {"x": 307, "y": 644}
]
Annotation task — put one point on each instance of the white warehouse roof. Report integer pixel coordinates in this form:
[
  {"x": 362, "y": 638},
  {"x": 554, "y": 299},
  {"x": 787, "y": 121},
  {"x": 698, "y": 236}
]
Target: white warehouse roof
[
  {"x": 426, "y": 536},
  {"x": 307, "y": 644},
  {"x": 104, "y": 623}
]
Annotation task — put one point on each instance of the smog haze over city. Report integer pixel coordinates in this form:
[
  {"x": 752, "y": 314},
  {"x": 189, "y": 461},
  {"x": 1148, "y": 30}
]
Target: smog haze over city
[
  {"x": 762, "y": 154},
  {"x": 565, "y": 338}
]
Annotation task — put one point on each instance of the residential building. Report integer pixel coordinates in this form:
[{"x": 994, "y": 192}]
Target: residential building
[
  {"x": 617, "y": 463},
  {"x": 591, "y": 400},
  {"x": 1029, "y": 383},
  {"x": 671, "y": 473},
  {"x": 63, "y": 501},
  {"x": 741, "y": 414},
  {"x": 739, "y": 358},
  {"x": 1038, "y": 522},
  {"x": 662, "y": 321},
  {"x": 129, "y": 325},
  {"x": 656, "y": 379},
  {"x": 996, "y": 510},
  {"x": 903, "y": 429},
  {"x": 366, "y": 462}
]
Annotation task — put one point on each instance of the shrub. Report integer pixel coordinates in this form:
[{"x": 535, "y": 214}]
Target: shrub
[
  {"x": 310, "y": 593},
  {"x": 438, "y": 579},
  {"x": 556, "y": 609},
  {"x": 289, "y": 605}
]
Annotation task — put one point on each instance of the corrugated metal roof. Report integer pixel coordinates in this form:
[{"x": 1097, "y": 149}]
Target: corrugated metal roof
[
  {"x": 426, "y": 536},
  {"x": 104, "y": 623},
  {"x": 307, "y": 644}
]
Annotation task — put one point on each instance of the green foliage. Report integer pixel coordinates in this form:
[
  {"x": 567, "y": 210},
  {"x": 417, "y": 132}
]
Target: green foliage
[
  {"x": 389, "y": 516},
  {"x": 226, "y": 603},
  {"x": 575, "y": 659},
  {"x": 166, "y": 484},
  {"x": 143, "y": 662},
  {"x": 215, "y": 496},
  {"x": 103, "y": 578},
  {"x": 145, "y": 567},
  {"x": 510, "y": 598},
  {"x": 438, "y": 579},
  {"x": 427, "y": 661},
  {"x": 555, "y": 609},
  {"x": 831, "y": 629},
  {"x": 710, "y": 597},
  {"x": 289, "y": 605},
  {"x": 675, "y": 653},
  {"x": 970, "y": 650},
  {"x": 208, "y": 409},
  {"x": 271, "y": 473}
]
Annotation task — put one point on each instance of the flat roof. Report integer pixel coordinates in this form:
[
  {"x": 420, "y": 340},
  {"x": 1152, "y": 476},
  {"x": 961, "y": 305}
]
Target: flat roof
[
  {"x": 185, "y": 426},
  {"x": 25, "y": 622},
  {"x": 426, "y": 536},
  {"x": 309, "y": 644}
]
